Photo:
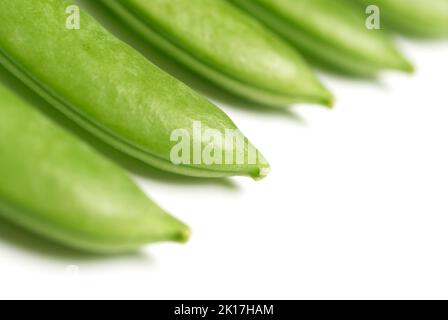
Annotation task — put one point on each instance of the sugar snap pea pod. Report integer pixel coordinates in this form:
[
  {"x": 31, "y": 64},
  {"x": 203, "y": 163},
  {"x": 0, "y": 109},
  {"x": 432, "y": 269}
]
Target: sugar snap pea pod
[
  {"x": 58, "y": 187},
  {"x": 113, "y": 91},
  {"x": 427, "y": 18},
  {"x": 226, "y": 46},
  {"x": 330, "y": 33}
]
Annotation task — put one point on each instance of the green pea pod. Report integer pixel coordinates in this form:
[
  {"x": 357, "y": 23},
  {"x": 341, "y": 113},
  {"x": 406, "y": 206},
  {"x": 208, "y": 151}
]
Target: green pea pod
[
  {"x": 330, "y": 33},
  {"x": 113, "y": 91},
  {"x": 226, "y": 46},
  {"x": 55, "y": 185},
  {"x": 422, "y": 18}
]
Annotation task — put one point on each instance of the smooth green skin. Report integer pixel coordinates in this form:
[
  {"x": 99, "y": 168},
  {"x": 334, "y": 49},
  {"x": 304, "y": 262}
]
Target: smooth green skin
[
  {"x": 421, "y": 18},
  {"x": 107, "y": 87},
  {"x": 226, "y": 46},
  {"x": 58, "y": 187},
  {"x": 331, "y": 33}
]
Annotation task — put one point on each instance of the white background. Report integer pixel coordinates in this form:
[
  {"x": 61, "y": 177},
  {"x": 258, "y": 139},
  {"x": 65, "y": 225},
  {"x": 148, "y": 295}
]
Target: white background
[{"x": 355, "y": 207}]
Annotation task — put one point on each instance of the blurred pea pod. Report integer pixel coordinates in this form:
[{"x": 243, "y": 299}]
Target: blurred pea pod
[
  {"x": 111, "y": 90},
  {"x": 226, "y": 46},
  {"x": 330, "y": 33},
  {"x": 423, "y": 18},
  {"x": 58, "y": 187}
]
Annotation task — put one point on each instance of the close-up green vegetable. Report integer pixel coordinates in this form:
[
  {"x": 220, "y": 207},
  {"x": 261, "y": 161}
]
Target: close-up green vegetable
[
  {"x": 58, "y": 187},
  {"x": 99, "y": 97},
  {"x": 330, "y": 33},
  {"x": 421, "y": 18},
  {"x": 110, "y": 89},
  {"x": 226, "y": 46}
]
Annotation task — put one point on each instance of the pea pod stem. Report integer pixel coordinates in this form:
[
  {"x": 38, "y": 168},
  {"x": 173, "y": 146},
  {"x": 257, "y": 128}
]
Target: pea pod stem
[{"x": 226, "y": 46}]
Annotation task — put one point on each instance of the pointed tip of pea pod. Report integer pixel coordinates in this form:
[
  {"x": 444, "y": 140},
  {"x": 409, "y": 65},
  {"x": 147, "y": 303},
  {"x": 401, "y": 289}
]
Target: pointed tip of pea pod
[
  {"x": 163, "y": 227},
  {"x": 323, "y": 95},
  {"x": 408, "y": 67},
  {"x": 404, "y": 67},
  {"x": 183, "y": 235},
  {"x": 401, "y": 63},
  {"x": 326, "y": 98},
  {"x": 329, "y": 101},
  {"x": 262, "y": 169},
  {"x": 262, "y": 173},
  {"x": 318, "y": 94}
]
